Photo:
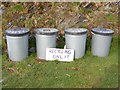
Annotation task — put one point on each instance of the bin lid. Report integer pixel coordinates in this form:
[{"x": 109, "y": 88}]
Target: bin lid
[
  {"x": 17, "y": 31},
  {"x": 76, "y": 31},
  {"x": 46, "y": 31},
  {"x": 102, "y": 31}
]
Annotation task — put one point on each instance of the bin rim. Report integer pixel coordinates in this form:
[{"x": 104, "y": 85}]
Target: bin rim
[
  {"x": 103, "y": 31},
  {"x": 46, "y": 31},
  {"x": 17, "y": 31},
  {"x": 76, "y": 31}
]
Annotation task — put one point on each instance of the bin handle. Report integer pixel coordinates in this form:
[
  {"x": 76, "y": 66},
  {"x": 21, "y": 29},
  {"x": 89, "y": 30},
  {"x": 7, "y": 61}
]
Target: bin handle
[
  {"x": 101, "y": 28},
  {"x": 16, "y": 28},
  {"x": 46, "y": 29}
]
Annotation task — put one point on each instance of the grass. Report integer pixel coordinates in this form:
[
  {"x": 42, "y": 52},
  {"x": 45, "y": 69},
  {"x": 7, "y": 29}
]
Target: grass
[{"x": 87, "y": 72}]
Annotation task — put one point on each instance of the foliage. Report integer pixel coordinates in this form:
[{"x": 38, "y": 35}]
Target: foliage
[{"x": 58, "y": 15}]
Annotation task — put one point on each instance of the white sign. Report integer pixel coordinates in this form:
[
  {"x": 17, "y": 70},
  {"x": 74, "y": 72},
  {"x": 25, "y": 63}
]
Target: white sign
[{"x": 59, "y": 54}]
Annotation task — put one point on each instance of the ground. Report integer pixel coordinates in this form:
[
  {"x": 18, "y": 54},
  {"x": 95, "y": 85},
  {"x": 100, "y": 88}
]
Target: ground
[{"x": 87, "y": 72}]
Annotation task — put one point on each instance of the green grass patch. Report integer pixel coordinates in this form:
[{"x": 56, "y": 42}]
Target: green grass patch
[
  {"x": 18, "y": 7},
  {"x": 86, "y": 72},
  {"x": 111, "y": 17}
]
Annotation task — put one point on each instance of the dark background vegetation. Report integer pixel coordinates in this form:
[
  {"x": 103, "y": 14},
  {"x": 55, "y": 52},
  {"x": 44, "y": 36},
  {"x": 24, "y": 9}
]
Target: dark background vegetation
[{"x": 60, "y": 15}]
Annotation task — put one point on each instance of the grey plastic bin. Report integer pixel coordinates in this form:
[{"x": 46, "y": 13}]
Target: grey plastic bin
[
  {"x": 17, "y": 43},
  {"x": 45, "y": 38},
  {"x": 101, "y": 41},
  {"x": 75, "y": 38}
]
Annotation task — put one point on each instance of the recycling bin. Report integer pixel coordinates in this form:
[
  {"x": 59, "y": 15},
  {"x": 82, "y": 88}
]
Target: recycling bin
[
  {"x": 45, "y": 38},
  {"x": 17, "y": 43},
  {"x": 75, "y": 38},
  {"x": 101, "y": 41}
]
